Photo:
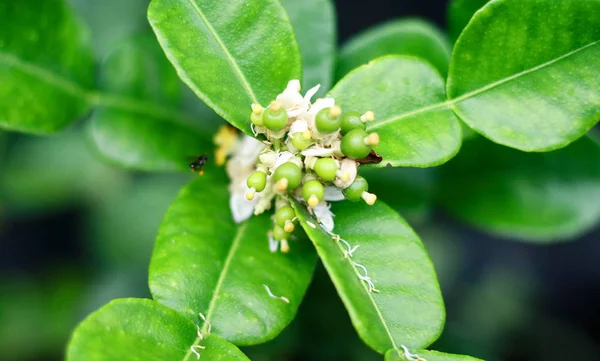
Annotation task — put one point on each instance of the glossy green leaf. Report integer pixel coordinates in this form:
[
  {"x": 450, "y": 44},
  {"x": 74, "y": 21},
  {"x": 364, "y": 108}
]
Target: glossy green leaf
[
  {"x": 399, "y": 355},
  {"x": 526, "y": 73},
  {"x": 204, "y": 262},
  {"x": 460, "y": 13},
  {"x": 539, "y": 197},
  {"x": 138, "y": 329},
  {"x": 45, "y": 66},
  {"x": 314, "y": 24},
  {"x": 137, "y": 124},
  {"x": 414, "y": 37},
  {"x": 408, "y": 308},
  {"x": 415, "y": 125},
  {"x": 230, "y": 53}
]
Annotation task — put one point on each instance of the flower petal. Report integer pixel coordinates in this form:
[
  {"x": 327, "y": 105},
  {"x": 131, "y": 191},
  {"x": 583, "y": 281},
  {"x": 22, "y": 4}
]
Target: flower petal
[
  {"x": 241, "y": 208},
  {"x": 333, "y": 194},
  {"x": 316, "y": 151}
]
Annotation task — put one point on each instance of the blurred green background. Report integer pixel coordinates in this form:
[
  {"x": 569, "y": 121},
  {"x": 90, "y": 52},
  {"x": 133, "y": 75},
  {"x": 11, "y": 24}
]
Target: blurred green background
[{"x": 76, "y": 232}]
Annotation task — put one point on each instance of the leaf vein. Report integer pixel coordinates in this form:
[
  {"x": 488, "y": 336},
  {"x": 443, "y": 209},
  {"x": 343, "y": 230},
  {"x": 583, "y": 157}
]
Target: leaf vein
[
  {"x": 234, "y": 246},
  {"x": 228, "y": 56}
]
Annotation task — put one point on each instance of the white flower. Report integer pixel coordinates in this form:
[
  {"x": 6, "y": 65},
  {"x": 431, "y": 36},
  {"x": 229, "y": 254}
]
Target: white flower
[
  {"x": 293, "y": 102},
  {"x": 317, "y": 151},
  {"x": 324, "y": 216},
  {"x": 347, "y": 173},
  {"x": 321, "y": 104},
  {"x": 239, "y": 167},
  {"x": 298, "y": 126},
  {"x": 282, "y": 157},
  {"x": 273, "y": 243},
  {"x": 333, "y": 194}
]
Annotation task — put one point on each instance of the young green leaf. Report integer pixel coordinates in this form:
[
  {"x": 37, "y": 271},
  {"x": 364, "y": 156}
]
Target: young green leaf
[
  {"x": 45, "y": 66},
  {"x": 407, "y": 307},
  {"x": 314, "y": 24},
  {"x": 205, "y": 263},
  {"x": 538, "y": 197},
  {"x": 139, "y": 329},
  {"x": 414, "y": 37},
  {"x": 230, "y": 53},
  {"x": 136, "y": 124},
  {"x": 460, "y": 13},
  {"x": 399, "y": 355},
  {"x": 525, "y": 73},
  {"x": 407, "y": 95}
]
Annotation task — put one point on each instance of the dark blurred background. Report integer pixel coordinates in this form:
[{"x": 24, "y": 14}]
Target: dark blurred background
[{"x": 75, "y": 233}]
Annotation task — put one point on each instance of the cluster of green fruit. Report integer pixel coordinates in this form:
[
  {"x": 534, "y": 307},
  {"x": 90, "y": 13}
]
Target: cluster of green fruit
[{"x": 321, "y": 156}]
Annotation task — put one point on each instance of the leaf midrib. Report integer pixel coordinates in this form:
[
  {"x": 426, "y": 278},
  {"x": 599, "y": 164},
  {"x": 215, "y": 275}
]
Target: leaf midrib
[
  {"x": 232, "y": 250},
  {"x": 370, "y": 295},
  {"x": 450, "y": 102},
  {"x": 95, "y": 98},
  {"x": 364, "y": 287},
  {"x": 238, "y": 72},
  {"x": 211, "y": 305}
]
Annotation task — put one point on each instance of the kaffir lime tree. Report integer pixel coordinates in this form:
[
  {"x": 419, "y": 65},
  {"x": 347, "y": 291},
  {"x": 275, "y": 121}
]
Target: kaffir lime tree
[{"x": 288, "y": 181}]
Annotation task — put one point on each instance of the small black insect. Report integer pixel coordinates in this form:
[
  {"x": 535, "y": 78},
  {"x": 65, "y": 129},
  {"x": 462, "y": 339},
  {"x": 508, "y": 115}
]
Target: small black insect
[{"x": 198, "y": 163}]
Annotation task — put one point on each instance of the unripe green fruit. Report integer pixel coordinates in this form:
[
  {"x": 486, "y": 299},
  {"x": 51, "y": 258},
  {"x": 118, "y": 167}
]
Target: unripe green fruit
[
  {"x": 326, "y": 168},
  {"x": 285, "y": 213},
  {"x": 353, "y": 144},
  {"x": 312, "y": 190},
  {"x": 279, "y": 234},
  {"x": 257, "y": 180},
  {"x": 326, "y": 123},
  {"x": 275, "y": 118},
  {"x": 300, "y": 142},
  {"x": 351, "y": 121},
  {"x": 291, "y": 172},
  {"x": 356, "y": 189}
]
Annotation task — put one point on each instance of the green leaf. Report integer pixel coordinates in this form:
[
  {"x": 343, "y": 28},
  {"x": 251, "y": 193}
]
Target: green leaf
[
  {"x": 414, "y": 37},
  {"x": 45, "y": 66},
  {"x": 136, "y": 124},
  {"x": 408, "y": 309},
  {"x": 230, "y": 53},
  {"x": 204, "y": 262},
  {"x": 539, "y": 197},
  {"x": 138, "y": 329},
  {"x": 525, "y": 73},
  {"x": 314, "y": 24},
  {"x": 460, "y": 13},
  {"x": 415, "y": 125},
  {"x": 395, "y": 355}
]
